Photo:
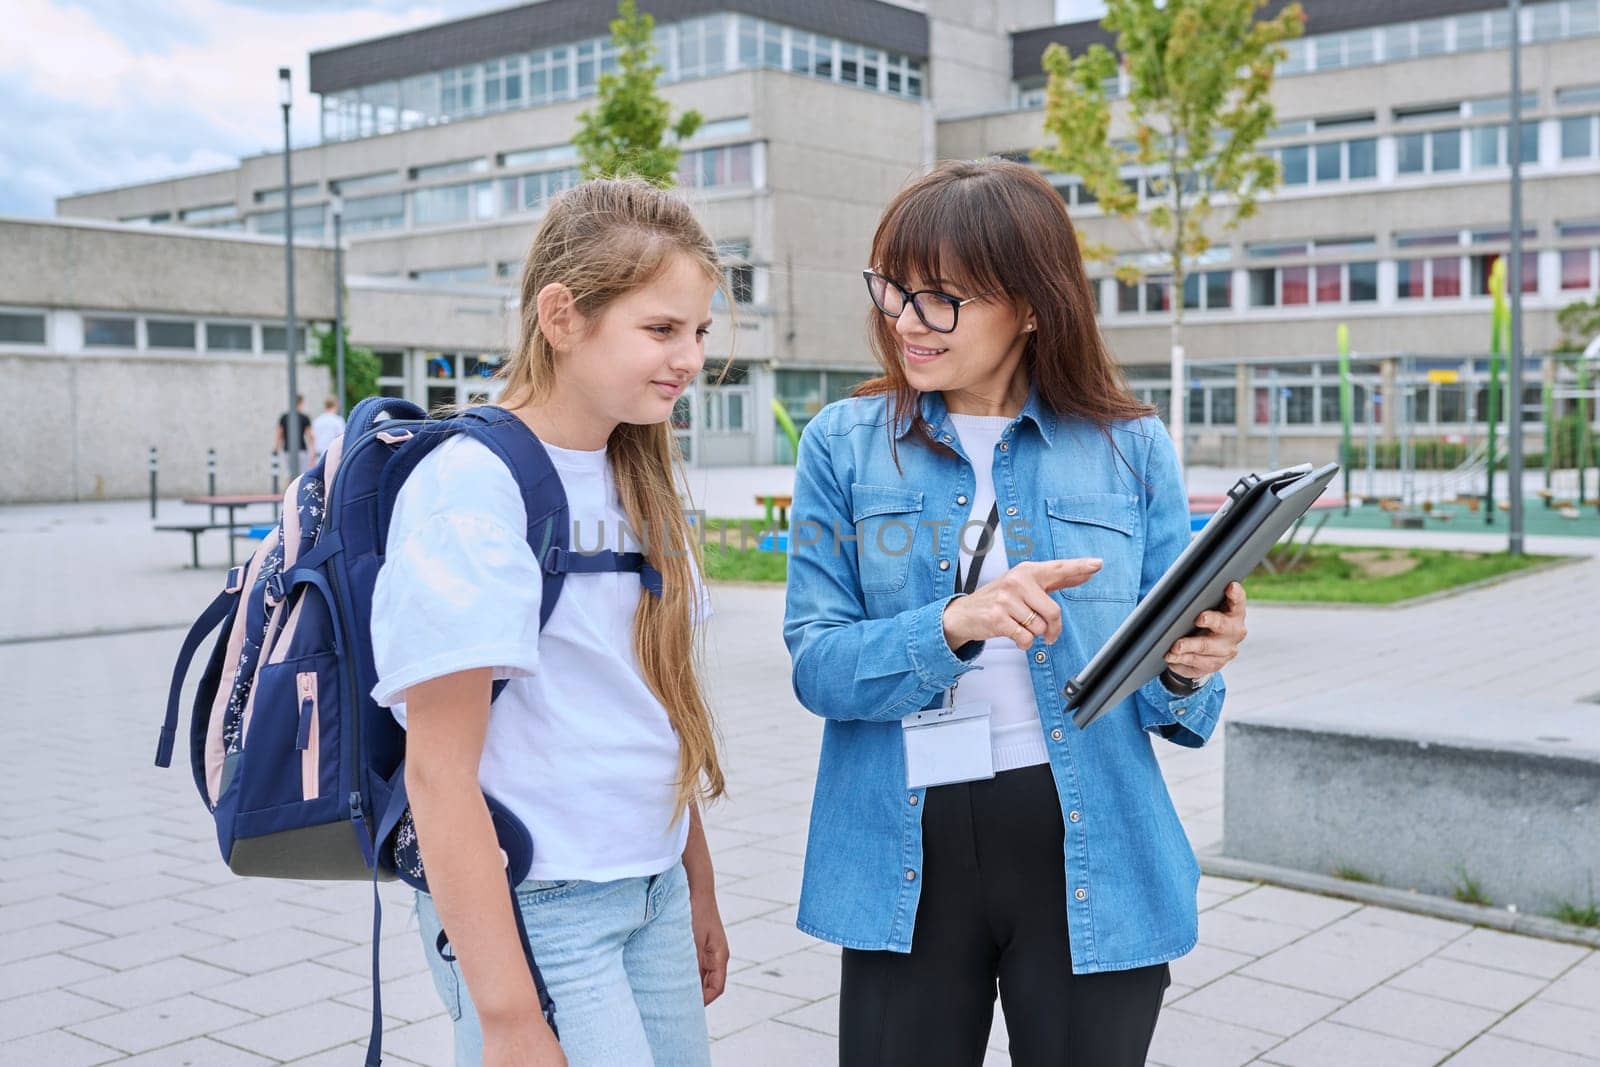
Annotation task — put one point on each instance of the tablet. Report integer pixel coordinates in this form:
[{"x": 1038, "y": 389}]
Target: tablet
[{"x": 1256, "y": 513}]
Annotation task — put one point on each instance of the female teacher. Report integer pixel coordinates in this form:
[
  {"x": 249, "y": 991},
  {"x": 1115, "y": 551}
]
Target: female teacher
[{"x": 989, "y": 843}]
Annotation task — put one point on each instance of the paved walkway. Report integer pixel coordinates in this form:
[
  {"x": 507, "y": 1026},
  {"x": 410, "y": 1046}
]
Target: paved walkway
[{"x": 126, "y": 940}]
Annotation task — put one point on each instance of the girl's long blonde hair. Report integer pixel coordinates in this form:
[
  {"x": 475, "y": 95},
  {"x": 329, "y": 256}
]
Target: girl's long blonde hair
[{"x": 603, "y": 239}]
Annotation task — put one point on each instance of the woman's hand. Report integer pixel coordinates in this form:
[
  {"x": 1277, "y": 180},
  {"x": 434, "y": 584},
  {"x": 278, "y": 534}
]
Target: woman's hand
[
  {"x": 710, "y": 943},
  {"x": 524, "y": 1042},
  {"x": 1017, "y": 605},
  {"x": 1217, "y": 643}
]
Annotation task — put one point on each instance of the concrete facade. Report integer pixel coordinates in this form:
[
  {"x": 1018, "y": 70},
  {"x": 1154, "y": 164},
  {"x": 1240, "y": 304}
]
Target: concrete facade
[
  {"x": 103, "y": 384},
  {"x": 794, "y": 166}
]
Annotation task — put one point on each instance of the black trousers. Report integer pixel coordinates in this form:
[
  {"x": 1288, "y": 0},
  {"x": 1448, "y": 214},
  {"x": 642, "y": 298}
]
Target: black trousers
[{"x": 993, "y": 913}]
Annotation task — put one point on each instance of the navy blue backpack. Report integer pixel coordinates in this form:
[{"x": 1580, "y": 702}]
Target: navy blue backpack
[{"x": 304, "y": 774}]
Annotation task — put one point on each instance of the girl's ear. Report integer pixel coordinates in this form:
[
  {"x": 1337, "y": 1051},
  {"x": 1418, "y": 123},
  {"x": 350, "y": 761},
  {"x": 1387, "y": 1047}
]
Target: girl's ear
[{"x": 559, "y": 318}]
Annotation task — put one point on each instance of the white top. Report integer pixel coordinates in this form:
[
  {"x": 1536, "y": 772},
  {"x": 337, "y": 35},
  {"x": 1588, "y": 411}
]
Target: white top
[
  {"x": 578, "y": 747},
  {"x": 1016, "y": 736},
  {"x": 324, "y": 428}
]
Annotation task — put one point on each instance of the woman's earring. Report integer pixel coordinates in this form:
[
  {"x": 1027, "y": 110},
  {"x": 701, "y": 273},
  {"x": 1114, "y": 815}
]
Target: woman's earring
[{"x": 1028, "y": 328}]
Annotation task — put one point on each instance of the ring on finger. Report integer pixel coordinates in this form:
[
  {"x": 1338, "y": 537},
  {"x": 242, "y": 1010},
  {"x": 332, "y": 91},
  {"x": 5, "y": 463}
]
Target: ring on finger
[{"x": 1028, "y": 622}]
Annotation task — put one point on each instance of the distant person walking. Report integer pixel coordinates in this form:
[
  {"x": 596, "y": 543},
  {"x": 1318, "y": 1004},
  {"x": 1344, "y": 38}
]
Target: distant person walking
[
  {"x": 325, "y": 427},
  {"x": 301, "y": 424}
]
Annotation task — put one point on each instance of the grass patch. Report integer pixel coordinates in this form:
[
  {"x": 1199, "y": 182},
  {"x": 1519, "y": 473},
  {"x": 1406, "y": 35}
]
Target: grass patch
[
  {"x": 1569, "y": 912},
  {"x": 731, "y": 554},
  {"x": 1347, "y": 574},
  {"x": 1468, "y": 891},
  {"x": 1355, "y": 874}
]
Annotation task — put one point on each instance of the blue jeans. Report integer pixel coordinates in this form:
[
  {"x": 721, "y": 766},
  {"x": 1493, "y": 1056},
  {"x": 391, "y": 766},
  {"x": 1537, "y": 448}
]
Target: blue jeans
[{"x": 620, "y": 962}]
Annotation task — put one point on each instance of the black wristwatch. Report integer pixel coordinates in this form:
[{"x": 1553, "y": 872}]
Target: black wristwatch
[{"x": 1181, "y": 686}]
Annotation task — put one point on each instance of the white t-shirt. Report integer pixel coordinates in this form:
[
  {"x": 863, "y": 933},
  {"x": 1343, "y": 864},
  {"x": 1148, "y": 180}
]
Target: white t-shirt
[
  {"x": 324, "y": 428},
  {"x": 1016, "y": 737},
  {"x": 578, "y": 747}
]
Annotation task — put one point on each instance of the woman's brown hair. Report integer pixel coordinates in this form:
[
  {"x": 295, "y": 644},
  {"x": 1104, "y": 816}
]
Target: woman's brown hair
[
  {"x": 997, "y": 227},
  {"x": 603, "y": 239}
]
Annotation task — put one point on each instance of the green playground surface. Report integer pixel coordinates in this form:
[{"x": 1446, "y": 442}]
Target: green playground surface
[{"x": 1538, "y": 520}]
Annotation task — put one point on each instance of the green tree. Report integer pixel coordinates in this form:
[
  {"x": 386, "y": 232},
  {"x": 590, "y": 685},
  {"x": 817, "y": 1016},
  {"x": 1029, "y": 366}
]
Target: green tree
[
  {"x": 361, "y": 367},
  {"x": 625, "y": 133},
  {"x": 1201, "y": 74},
  {"x": 1580, "y": 324}
]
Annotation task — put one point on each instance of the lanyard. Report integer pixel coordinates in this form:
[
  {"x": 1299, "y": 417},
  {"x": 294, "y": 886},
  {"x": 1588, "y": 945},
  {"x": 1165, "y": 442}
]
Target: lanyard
[{"x": 985, "y": 543}]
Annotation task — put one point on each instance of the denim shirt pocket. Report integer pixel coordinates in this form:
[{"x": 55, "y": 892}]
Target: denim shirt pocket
[
  {"x": 1104, "y": 526},
  {"x": 886, "y": 520}
]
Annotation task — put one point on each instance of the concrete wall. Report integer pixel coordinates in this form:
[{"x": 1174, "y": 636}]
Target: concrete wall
[
  {"x": 88, "y": 423},
  {"x": 50, "y": 263}
]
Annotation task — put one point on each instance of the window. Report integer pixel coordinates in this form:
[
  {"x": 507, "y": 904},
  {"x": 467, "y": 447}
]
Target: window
[
  {"x": 1363, "y": 158},
  {"x": 502, "y": 83},
  {"x": 374, "y": 213},
  {"x": 708, "y": 168},
  {"x": 445, "y": 170},
  {"x": 458, "y": 91},
  {"x": 738, "y": 272},
  {"x": 167, "y": 333},
  {"x": 1264, "y": 287},
  {"x": 528, "y": 157},
  {"x": 1483, "y": 266},
  {"x": 1363, "y": 282},
  {"x": 214, "y": 213},
  {"x": 452, "y": 203},
  {"x": 530, "y": 192},
  {"x": 475, "y": 272},
  {"x": 1295, "y": 288},
  {"x": 107, "y": 332},
  {"x": 1419, "y": 279},
  {"x": 229, "y": 337},
  {"x": 310, "y": 221},
  {"x": 272, "y": 338},
  {"x": 21, "y": 328},
  {"x": 1438, "y": 152},
  {"x": 1577, "y": 137},
  {"x": 1576, "y": 270},
  {"x": 1208, "y": 291},
  {"x": 1294, "y": 160}
]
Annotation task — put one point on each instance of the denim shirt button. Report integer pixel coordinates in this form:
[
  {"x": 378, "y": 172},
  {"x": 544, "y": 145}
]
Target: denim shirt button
[
  {"x": 911, "y": 876},
  {"x": 1180, "y": 710},
  {"x": 1005, "y": 446},
  {"x": 1012, "y": 510},
  {"x": 1039, "y": 656},
  {"x": 1080, "y": 894},
  {"x": 962, "y": 499},
  {"x": 944, "y": 564},
  {"x": 1073, "y": 816},
  {"x": 1055, "y": 735},
  {"x": 912, "y": 800}
]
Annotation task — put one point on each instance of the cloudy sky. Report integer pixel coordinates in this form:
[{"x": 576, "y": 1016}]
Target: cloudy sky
[{"x": 98, "y": 93}]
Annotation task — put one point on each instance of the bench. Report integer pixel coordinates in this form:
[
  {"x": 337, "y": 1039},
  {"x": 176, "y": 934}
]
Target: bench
[
  {"x": 781, "y": 501},
  {"x": 1420, "y": 788},
  {"x": 195, "y": 529}
]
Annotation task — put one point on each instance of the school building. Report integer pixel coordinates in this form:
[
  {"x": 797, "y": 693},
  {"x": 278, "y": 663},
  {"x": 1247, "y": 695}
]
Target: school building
[{"x": 440, "y": 147}]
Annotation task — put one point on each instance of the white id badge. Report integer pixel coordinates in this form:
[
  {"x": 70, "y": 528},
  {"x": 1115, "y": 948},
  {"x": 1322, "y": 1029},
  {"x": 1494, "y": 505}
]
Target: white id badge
[{"x": 947, "y": 745}]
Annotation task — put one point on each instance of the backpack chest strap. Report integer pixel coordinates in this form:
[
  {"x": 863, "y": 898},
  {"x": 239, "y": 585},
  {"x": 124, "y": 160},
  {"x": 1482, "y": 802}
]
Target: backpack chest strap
[{"x": 558, "y": 560}]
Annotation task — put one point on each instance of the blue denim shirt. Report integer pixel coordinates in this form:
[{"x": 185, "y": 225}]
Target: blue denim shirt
[{"x": 863, "y": 623}]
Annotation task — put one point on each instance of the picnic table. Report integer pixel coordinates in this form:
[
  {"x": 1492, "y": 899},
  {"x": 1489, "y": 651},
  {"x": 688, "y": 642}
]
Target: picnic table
[
  {"x": 781, "y": 501},
  {"x": 231, "y": 504}
]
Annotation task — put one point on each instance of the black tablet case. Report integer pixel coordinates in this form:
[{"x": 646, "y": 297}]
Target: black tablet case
[{"x": 1255, "y": 514}]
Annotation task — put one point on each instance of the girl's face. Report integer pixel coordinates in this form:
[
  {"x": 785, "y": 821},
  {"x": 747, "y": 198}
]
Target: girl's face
[
  {"x": 979, "y": 357},
  {"x": 632, "y": 361}
]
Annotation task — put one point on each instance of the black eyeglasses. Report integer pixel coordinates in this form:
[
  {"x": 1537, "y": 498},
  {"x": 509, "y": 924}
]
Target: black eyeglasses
[{"x": 938, "y": 311}]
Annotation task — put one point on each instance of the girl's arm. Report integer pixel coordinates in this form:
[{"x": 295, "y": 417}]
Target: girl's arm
[
  {"x": 710, "y": 940},
  {"x": 446, "y": 719}
]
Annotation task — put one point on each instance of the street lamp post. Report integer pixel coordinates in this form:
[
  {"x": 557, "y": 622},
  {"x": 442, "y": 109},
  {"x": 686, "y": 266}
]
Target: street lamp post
[
  {"x": 1514, "y": 149},
  {"x": 291, "y": 420},
  {"x": 338, "y": 300}
]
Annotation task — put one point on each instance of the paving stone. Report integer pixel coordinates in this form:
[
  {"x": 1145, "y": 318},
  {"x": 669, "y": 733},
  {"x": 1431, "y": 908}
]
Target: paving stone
[
  {"x": 742, "y": 1006},
  {"x": 1266, "y": 1006},
  {"x": 47, "y": 1010},
  {"x": 1579, "y": 987},
  {"x": 1206, "y": 963},
  {"x": 1493, "y": 1051},
  {"x": 57, "y": 1048},
  {"x": 154, "y": 982},
  {"x": 1514, "y": 952},
  {"x": 300, "y": 1031},
  {"x": 1466, "y": 983},
  {"x": 197, "y": 1052},
  {"x": 265, "y": 952},
  {"x": 774, "y": 1044},
  {"x": 1328, "y": 1044},
  {"x": 1291, "y": 907},
  {"x": 294, "y": 986},
  {"x": 1322, "y": 972},
  {"x": 1245, "y": 933},
  {"x": 1185, "y": 1040},
  {"x": 1558, "y": 1026},
  {"x": 165, "y": 1022},
  {"x": 806, "y": 975},
  {"x": 134, "y": 950},
  {"x": 1415, "y": 1017},
  {"x": 823, "y": 1017},
  {"x": 53, "y": 971}
]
